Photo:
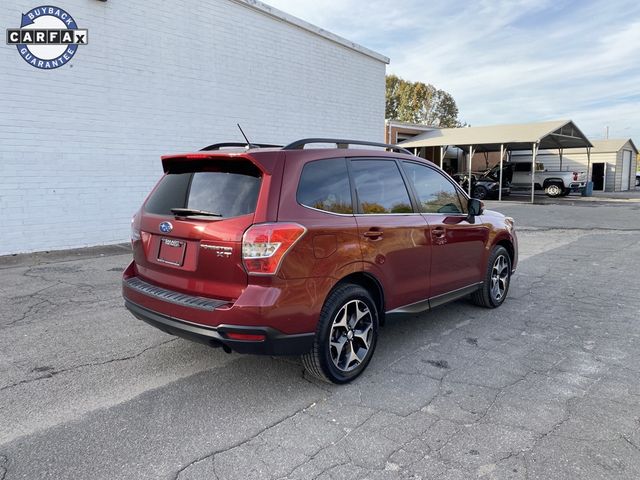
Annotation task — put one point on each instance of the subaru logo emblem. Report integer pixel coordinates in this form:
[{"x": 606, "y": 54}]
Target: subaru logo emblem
[{"x": 166, "y": 227}]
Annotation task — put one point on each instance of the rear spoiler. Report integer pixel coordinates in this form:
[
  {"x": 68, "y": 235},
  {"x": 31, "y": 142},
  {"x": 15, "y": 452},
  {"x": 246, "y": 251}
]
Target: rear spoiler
[{"x": 169, "y": 161}]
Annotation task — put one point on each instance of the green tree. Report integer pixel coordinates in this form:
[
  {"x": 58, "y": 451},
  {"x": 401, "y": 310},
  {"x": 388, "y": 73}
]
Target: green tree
[{"x": 418, "y": 102}]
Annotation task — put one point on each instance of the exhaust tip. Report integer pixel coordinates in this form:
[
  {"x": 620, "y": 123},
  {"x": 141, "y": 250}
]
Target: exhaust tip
[{"x": 213, "y": 343}]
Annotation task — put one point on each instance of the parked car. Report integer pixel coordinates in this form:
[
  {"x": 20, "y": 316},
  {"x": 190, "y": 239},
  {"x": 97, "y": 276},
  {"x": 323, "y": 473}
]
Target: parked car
[
  {"x": 637, "y": 179},
  {"x": 555, "y": 183},
  {"x": 486, "y": 184},
  {"x": 306, "y": 251}
]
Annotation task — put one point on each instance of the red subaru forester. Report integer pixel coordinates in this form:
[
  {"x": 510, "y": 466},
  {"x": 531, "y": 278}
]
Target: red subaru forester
[{"x": 293, "y": 250}]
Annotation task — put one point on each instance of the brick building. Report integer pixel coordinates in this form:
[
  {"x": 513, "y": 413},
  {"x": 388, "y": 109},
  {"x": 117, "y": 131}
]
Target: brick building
[{"x": 80, "y": 145}]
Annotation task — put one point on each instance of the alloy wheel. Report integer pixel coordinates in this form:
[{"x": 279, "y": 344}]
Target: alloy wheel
[
  {"x": 351, "y": 335},
  {"x": 499, "y": 277},
  {"x": 554, "y": 190},
  {"x": 480, "y": 193}
]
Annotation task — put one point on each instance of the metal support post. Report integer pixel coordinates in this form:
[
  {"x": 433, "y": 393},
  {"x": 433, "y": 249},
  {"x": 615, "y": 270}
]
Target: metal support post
[
  {"x": 533, "y": 171},
  {"x": 470, "y": 162},
  {"x": 560, "y": 151},
  {"x": 500, "y": 182}
]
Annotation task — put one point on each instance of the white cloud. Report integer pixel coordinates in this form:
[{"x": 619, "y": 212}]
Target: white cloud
[{"x": 503, "y": 60}]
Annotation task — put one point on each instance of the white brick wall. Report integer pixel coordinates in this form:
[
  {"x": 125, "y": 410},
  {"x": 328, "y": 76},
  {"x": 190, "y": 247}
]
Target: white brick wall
[{"x": 80, "y": 145}]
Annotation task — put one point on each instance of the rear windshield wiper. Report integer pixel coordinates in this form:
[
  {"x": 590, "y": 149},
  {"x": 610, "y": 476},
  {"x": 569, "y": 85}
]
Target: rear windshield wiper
[{"x": 187, "y": 212}]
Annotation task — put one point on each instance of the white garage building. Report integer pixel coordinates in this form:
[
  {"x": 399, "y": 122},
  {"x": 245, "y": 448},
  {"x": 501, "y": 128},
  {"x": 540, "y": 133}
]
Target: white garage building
[{"x": 80, "y": 144}]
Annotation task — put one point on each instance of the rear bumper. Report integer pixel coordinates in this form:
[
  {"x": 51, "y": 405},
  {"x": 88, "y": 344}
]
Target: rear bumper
[
  {"x": 274, "y": 343},
  {"x": 288, "y": 306}
]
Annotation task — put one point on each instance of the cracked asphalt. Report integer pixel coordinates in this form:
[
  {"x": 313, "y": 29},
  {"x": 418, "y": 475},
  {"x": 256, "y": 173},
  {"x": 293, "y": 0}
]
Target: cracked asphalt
[{"x": 545, "y": 387}]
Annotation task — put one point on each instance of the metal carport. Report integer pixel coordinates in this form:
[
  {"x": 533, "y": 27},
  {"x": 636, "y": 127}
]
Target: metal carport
[{"x": 559, "y": 134}]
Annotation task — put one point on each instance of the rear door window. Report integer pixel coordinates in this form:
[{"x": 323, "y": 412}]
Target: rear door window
[
  {"x": 379, "y": 187},
  {"x": 229, "y": 189},
  {"x": 436, "y": 194},
  {"x": 324, "y": 185}
]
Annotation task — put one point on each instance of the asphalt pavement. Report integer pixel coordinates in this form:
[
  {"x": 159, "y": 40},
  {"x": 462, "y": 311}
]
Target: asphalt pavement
[{"x": 545, "y": 387}]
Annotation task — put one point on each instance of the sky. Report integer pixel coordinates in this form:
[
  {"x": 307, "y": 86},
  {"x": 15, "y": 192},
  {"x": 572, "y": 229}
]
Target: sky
[{"x": 503, "y": 61}]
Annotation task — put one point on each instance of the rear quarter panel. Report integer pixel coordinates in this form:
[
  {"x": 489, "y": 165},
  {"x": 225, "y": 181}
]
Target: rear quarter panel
[{"x": 330, "y": 246}]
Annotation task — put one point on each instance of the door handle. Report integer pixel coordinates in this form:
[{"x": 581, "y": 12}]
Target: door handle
[
  {"x": 438, "y": 232},
  {"x": 373, "y": 234}
]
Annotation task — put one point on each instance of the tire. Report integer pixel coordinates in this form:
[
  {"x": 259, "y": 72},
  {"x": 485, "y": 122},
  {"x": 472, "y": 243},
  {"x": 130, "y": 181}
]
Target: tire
[
  {"x": 333, "y": 358},
  {"x": 496, "y": 280},
  {"x": 480, "y": 192},
  {"x": 553, "y": 190}
]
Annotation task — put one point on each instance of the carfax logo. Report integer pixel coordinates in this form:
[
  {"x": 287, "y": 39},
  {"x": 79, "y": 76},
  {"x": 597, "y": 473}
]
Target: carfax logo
[{"x": 48, "y": 37}]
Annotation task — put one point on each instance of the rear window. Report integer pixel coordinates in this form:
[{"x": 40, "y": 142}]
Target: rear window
[
  {"x": 227, "y": 188},
  {"x": 522, "y": 167}
]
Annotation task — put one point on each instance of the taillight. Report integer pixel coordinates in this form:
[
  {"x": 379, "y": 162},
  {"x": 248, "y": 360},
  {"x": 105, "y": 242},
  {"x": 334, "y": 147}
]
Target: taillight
[
  {"x": 575, "y": 176},
  {"x": 135, "y": 230},
  {"x": 264, "y": 246}
]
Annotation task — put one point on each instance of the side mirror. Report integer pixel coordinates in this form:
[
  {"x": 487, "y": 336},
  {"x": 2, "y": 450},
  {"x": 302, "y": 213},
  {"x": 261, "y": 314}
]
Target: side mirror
[{"x": 475, "y": 207}]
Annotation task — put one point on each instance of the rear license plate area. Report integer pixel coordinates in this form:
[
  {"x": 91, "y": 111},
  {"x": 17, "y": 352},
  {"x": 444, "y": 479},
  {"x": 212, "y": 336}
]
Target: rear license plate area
[{"x": 172, "y": 251}]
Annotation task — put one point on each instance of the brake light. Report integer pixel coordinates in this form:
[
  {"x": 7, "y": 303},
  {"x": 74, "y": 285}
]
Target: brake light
[
  {"x": 265, "y": 245},
  {"x": 575, "y": 176}
]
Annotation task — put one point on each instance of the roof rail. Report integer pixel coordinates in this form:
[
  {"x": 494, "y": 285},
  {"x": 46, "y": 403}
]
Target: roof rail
[
  {"x": 341, "y": 143},
  {"x": 218, "y": 146}
]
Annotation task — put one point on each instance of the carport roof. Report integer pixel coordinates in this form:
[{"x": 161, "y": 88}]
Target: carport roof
[
  {"x": 548, "y": 135},
  {"x": 612, "y": 145}
]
